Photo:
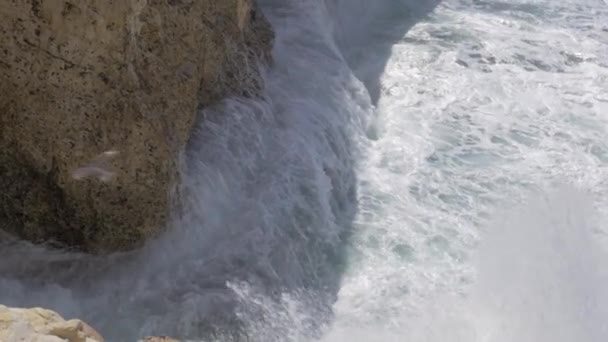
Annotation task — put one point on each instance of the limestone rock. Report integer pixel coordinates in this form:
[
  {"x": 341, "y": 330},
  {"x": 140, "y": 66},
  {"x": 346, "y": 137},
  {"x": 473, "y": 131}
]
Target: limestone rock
[
  {"x": 159, "y": 339},
  {"x": 41, "y": 325},
  {"x": 79, "y": 78}
]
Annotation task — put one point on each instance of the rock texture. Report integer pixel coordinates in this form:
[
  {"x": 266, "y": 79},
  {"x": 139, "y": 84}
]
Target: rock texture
[
  {"x": 80, "y": 78},
  {"x": 159, "y": 339},
  {"x": 41, "y": 325}
]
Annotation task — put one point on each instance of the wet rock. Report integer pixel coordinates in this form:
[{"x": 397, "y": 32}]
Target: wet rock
[{"x": 79, "y": 78}]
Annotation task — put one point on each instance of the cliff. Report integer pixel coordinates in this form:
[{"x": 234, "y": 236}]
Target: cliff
[{"x": 97, "y": 101}]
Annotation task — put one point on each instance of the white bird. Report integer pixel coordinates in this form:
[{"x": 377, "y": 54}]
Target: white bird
[{"x": 98, "y": 167}]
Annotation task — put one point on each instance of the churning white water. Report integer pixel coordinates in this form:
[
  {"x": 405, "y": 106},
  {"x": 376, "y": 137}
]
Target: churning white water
[
  {"x": 465, "y": 230},
  {"x": 416, "y": 171}
]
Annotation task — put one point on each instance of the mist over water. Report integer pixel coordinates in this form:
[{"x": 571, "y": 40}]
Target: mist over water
[
  {"x": 542, "y": 274},
  {"x": 415, "y": 170}
]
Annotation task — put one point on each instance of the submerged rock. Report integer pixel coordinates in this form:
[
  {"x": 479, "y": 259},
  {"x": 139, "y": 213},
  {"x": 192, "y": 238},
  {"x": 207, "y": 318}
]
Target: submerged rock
[
  {"x": 41, "y": 325},
  {"x": 81, "y": 78}
]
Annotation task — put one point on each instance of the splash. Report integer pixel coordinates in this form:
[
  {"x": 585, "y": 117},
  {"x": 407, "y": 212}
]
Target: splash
[
  {"x": 361, "y": 197},
  {"x": 542, "y": 274}
]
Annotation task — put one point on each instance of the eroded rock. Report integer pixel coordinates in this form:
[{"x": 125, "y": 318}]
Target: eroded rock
[
  {"x": 159, "y": 339},
  {"x": 81, "y": 77},
  {"x": 42, "y": 325}
]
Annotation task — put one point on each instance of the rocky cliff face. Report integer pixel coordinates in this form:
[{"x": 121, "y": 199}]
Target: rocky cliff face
[{"x": 97, "y": 100}]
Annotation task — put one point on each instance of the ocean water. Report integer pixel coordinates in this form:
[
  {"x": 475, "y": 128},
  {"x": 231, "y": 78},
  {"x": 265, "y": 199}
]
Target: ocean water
[{"x": 415, "y": 171}]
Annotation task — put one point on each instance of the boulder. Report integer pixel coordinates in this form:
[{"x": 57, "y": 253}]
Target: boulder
[
  {"x": 97, "y": 101},
  {"x": 41, "y": 325},
  {"x": 159, "y": 339}
]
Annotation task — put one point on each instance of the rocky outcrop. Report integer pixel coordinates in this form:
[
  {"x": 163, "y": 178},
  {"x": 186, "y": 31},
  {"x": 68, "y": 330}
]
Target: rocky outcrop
[
  {"x": 159, "y": 339},
  {"x": 41, "y": 325},
  {"x": 97, "y": 100}
]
